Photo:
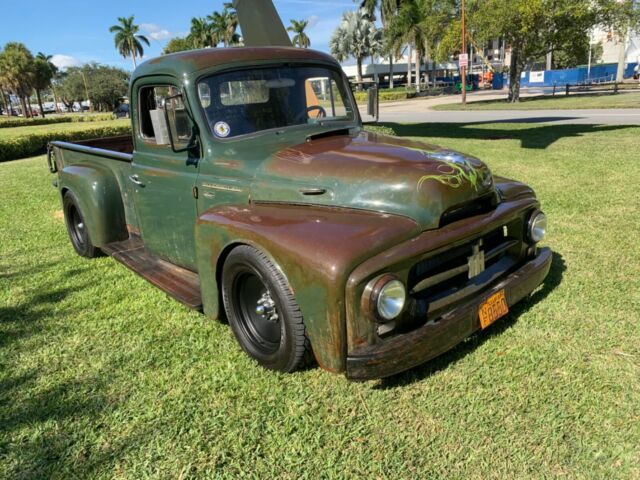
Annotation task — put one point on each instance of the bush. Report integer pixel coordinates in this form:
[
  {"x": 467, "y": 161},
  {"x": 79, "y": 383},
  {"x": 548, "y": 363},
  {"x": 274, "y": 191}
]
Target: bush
[
  {"x": 28, "y": 122},
  {"x": 34, "y": 141},
  {"x": 385, "y": 95}
]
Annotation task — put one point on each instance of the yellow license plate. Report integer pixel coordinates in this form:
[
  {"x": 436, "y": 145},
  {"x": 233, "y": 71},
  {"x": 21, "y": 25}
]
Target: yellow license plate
[{"x": 493, "y": 308}]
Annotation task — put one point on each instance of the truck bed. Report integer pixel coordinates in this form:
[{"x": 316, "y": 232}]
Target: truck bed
[{"x": 122, "y": 143}]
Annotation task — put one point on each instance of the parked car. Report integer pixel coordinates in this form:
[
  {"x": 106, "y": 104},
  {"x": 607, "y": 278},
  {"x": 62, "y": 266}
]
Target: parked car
[
  {"x": 122, "y": 111},
  {"x": 249, "y": 189}
]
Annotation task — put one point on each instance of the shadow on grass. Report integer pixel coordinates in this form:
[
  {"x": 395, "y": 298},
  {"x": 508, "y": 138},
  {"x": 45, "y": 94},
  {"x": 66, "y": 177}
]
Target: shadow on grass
[
  {"x": 59, "y": 412},
  {"x": 553, "y": 279},
  {"x": 50, "y": 405},
  {"x": 538, "y": 137},
  {"x": 22, "y": 321}
]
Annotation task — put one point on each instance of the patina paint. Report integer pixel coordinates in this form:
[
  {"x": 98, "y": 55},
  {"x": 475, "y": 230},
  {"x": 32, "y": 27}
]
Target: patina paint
[
  {"x": 375, "y": 172},
  {"x": 315, "y": 247},
  {"x": 333, "y": 207}
]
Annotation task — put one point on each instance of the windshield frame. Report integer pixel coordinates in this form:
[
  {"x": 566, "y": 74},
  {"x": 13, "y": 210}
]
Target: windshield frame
[{"x": 318, "y": 127}]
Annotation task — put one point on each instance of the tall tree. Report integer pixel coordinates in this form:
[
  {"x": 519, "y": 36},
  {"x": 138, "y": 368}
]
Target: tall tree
[
  {"x": 300, "y": 38},
  {"x": 533, "y": 28},
  {"x": 224, "y": 25},
  {"x": 201, "y": 34},
  {"x": 178, "y": 44},
  {"x": 16, "y": 67},
  {"x": 54, "y": 75},
  {"x": 352, "y": 38},
  {"x": 42, "y": 76},
  {"x": 104, "y": 86},
  {"x": 408, "y": 27},
  {"x": 128, "y": 41},
  {"x": 388, "y": 9}
]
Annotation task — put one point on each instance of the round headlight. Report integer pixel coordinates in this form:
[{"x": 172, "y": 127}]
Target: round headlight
[
  {"x": 537, "y": 227},
  {"x": 391, "y": 299}
]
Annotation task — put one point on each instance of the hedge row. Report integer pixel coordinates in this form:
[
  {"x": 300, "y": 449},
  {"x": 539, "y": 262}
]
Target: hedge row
[
  {"x": 28, "y": 122},
  {"x": 32, "y": 143},
  {"x": 361, "y": 97}
]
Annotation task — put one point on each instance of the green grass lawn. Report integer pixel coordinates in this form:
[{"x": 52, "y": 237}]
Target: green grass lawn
[
  {"x": 559, "y": 102},
  {"x": 103, "y": 376}
]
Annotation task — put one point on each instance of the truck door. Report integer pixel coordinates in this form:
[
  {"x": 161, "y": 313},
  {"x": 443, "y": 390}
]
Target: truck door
[{"x": 163, "y": 179}]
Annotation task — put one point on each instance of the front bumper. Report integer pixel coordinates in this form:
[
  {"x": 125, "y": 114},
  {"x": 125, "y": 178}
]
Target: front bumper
[{"x": 411, "y": 349}]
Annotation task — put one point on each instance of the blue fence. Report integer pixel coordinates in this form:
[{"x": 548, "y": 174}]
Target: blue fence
[{"x": 574, "y": 76}]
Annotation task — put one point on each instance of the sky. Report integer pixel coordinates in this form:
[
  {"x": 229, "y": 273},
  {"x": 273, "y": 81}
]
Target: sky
[{"x": 77, "y": 31}]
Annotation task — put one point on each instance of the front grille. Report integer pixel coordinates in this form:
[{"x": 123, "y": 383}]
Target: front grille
[
  {"x": 437, "y": 282},
  {"x": 476, "y": 207}
]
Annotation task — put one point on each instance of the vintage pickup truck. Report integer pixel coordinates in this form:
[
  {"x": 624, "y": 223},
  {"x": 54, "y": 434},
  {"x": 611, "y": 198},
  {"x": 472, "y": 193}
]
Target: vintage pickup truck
[{"x": 249, "y": 189}]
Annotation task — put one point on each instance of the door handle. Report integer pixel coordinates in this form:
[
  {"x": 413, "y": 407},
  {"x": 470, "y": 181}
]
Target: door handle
[{"x": 135, "y": 179}]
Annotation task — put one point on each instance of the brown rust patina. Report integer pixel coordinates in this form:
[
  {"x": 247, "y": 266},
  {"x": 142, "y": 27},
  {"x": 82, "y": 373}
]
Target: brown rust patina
[{"x": 338, "y": 210}]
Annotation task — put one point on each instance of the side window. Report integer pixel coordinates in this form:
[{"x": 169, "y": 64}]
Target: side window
[
  {"x": 153, "y": 125},
  {"x": 323, "y": 92}
]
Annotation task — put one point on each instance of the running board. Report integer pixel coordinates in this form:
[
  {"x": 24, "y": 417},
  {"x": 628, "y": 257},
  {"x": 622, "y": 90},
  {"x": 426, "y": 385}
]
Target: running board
[{"x": 178, "y": 282}]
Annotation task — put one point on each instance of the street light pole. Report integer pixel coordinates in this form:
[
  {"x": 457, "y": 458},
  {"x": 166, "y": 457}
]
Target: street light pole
[{"x": 463, "y": 70}]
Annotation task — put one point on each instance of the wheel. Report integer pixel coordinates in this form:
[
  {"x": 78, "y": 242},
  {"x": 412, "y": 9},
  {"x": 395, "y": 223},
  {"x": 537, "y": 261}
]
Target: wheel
[
  {"x": 76, "y": 227},
  {"x": 262, "y": 311}
]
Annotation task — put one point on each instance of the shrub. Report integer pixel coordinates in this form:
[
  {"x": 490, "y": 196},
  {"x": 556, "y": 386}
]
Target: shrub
[
  {"x": 29, "y": 122},
  {"x": 35, "y": 141},
  {"x": 385, "y": 95}
]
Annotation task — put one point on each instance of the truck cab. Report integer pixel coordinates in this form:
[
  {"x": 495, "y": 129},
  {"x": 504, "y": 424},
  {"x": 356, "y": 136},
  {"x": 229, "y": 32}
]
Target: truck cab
[{"x": 250, "y": 190}]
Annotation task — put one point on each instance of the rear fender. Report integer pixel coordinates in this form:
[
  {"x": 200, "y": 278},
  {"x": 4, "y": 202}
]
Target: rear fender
[{"x": 100, "y": 200}]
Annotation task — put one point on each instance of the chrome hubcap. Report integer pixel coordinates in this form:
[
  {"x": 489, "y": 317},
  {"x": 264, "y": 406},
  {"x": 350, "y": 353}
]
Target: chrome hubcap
[{"x": 266, "y": 307}]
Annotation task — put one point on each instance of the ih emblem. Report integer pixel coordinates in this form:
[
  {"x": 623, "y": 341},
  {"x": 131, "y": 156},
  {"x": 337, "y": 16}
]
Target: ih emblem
[{"x": 476, "y": 260}]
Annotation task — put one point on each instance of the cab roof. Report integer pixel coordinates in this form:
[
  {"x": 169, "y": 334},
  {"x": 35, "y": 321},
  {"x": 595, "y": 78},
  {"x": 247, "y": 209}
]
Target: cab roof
[{"x": 186, "y": 63}]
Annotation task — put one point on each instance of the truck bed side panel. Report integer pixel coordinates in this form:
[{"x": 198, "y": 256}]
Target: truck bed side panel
[{"x": 99, "y": 180}]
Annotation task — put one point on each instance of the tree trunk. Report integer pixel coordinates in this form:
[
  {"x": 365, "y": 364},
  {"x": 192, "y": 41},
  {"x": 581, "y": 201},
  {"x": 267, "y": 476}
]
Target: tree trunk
[
  {"x": 359, "y": 77},
  {"x": 409, "y": 65},
  {"x": 433, "y": 73},
  {"x": 24, "y": 106},
  {"x": 55, "y": 100},
  {"x": 40, "y": 102},
  {"x": 514, "y": 76},
  {"x": 391, "y": 71},
  {"x": 418, "y": 77},
  {"x": 134, "y": 60},
  {"x": 375, "y": 70},
  {"x": 7, "y": 103}
]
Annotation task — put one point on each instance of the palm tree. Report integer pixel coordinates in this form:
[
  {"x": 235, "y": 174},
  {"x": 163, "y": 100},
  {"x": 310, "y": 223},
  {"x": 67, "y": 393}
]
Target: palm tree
[
  {"x": 408, "y": 27},
  {"x": 54, "y": 75},
  {"x": 128, "y": 41},
  {"x": 388, "y": 10},
  {"x": 300, "y": 39},
  {"x": 16, "y": 72},
  {"x": 353, "y": 37},
  {"x": 201, "y": 34},
  {"x": 42, "y": 76},
  {"x": 224, "y": 25}
]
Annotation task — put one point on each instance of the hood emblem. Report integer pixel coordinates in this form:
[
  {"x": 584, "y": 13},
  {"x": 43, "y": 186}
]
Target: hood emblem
[{"x": 455, "y": 170}]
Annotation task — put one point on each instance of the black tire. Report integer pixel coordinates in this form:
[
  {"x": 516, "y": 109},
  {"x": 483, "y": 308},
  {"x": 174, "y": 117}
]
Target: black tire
[
  {"x": 76, "y": 227},
  {"x": 277, "y": 343}
]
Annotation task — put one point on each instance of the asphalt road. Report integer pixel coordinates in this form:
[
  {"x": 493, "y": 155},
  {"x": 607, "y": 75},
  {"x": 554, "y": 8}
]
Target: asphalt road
[
  {"x": 406, "y": 112},
  {"x": 419, "y": 110}
]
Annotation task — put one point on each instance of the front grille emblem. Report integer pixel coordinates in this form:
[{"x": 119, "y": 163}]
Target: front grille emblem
[{"x": 476, "y": 261}]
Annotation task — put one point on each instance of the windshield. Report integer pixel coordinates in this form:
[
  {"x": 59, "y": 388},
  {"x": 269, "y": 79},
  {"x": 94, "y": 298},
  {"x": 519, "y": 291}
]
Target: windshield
[{"x": 248, "y": 101}]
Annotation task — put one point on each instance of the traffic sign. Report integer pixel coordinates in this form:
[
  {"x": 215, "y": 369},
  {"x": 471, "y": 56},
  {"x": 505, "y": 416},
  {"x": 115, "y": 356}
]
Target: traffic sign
[{"x": 463, "y": 59}]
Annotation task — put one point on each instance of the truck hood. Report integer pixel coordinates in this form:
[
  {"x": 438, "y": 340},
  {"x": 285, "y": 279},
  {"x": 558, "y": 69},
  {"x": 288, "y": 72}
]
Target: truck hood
[{"x": 373, "y": 172}]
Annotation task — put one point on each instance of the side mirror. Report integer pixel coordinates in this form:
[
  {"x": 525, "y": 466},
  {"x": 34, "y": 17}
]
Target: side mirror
[{"x": 180, "y": 125}]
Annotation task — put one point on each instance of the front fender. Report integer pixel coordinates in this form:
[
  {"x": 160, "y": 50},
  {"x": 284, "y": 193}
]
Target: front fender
[
  {"x": 315, "y": 247},
  {"x": 100, "y": 199}
]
